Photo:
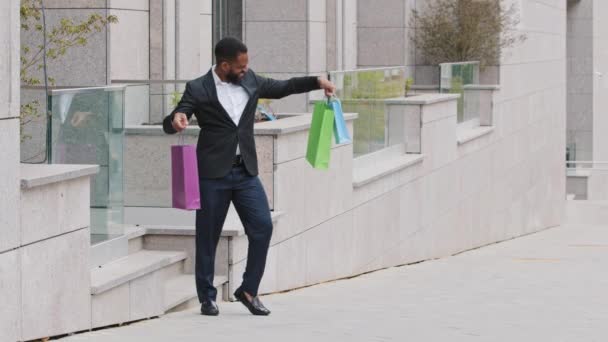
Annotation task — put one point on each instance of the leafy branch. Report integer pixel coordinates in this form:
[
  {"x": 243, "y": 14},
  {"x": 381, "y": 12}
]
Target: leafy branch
[{"x": 67, "y": 34}]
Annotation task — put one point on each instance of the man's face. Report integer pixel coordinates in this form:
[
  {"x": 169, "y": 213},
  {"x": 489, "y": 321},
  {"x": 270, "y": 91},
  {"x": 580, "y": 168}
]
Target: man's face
[{"x": 235, "y": 70}]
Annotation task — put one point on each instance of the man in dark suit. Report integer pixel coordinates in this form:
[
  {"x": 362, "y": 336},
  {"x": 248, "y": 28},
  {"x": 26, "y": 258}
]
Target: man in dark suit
[{"x": 224, "y": 102}]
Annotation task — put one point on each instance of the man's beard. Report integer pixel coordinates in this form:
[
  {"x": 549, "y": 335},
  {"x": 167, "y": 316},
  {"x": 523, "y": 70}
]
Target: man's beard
[{"x": 233, "y": 78}]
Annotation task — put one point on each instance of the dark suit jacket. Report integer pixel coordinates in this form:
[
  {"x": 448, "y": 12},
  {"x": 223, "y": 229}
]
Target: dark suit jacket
[{"x": 219, "y": 135}]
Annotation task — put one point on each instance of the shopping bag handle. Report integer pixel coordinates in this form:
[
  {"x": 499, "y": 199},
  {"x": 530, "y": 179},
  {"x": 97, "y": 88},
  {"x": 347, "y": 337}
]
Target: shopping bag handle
[
  {"x": 181, "y": 138},
  {"x": 328, "y": 97}
]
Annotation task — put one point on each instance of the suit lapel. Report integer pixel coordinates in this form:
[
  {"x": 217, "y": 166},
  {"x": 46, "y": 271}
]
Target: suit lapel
[
  {"x": 210, "y": 84},
  {"x": 249, "y": 91}
]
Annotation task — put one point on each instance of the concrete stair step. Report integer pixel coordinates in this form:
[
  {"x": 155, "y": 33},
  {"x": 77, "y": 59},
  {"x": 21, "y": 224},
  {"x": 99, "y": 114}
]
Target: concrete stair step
[
  {"x": 232, "y": 226},
  {"x": 159, "y": 220},
  {"x": 180, "y": 292},
  {"x": 131, "y": 267},
  {"x": 107, "y": 251}
]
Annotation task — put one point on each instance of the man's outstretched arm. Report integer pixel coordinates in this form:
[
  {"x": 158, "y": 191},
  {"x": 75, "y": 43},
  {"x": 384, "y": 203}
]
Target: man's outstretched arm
[{"x": 275, "y": 89}]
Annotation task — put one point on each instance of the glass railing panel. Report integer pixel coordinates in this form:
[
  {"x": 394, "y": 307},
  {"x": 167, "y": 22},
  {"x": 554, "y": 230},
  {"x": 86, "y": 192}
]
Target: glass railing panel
[
  {"x": 87, "y": 127},
  {"x": 363, "y": 92},
  {"x": 454, "y": 78}
]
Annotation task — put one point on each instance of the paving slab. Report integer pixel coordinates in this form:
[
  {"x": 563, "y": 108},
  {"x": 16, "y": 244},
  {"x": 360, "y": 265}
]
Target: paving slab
[{"x": 549, "y": 286}]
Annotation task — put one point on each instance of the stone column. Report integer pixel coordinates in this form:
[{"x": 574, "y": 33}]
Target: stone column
[
  {"x": 206, "y": 37},
  {"x": 10, "y": 261},
  {"x": 600, "y": 83},
  {"x": 598, "y": 183},
  {"x": 580, "y": 80}
]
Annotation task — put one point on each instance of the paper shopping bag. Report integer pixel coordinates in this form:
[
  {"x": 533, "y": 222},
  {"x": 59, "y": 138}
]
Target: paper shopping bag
[
  {"x": 341, "y": 133},
  {"x": 319, "y": 137},
  {"x": 184, "y": 177}
]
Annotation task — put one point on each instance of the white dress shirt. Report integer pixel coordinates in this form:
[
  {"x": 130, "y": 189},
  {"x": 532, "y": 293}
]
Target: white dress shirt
[{"x": 232, "y": 97}]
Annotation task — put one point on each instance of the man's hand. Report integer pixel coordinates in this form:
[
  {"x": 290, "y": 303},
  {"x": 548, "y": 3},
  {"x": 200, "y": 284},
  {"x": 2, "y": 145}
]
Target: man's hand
[
  {"x": 326, "y": 85},
  {"x": 180, "y": 121}
]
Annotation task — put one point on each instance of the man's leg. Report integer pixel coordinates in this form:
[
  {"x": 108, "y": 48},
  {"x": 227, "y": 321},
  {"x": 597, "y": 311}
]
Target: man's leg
[
  {"x": 251, "y": 204},
  {"x": 215, "y": 201}
]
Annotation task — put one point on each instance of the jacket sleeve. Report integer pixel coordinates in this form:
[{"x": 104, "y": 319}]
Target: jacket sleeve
[
  {"x": 186, "y": 105},
  {"x": 269, "y": 88}
]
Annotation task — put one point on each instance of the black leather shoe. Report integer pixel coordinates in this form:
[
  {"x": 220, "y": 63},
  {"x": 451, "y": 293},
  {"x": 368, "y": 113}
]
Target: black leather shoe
[
  {"x": 209, "y": 308},
  {"x": 255, "y": 306}
]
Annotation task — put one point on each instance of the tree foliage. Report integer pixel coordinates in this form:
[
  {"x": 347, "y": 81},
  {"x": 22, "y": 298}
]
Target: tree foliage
[
  {"x": 60, "y": 38},
  {"x": 466, "y": 30}
]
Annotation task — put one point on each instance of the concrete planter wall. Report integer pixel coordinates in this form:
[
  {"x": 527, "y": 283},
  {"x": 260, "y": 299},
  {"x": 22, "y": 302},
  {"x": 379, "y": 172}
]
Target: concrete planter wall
[
  {"x": 47, "y": 290},
  {"x": 148, "y": 165},
  {"x": 464, "y": 188}
]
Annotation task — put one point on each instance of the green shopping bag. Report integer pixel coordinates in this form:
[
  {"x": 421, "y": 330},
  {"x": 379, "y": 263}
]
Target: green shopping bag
[{"x": 320, "y": 135}]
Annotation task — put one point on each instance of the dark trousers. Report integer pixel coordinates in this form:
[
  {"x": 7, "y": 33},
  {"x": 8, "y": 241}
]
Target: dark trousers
[{"x": 251, "y": 204}]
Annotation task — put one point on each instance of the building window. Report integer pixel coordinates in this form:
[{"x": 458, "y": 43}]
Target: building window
[{"x": 227, "y": 19}]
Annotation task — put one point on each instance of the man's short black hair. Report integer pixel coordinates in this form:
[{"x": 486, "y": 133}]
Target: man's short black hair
[{"x": 228, "y": 49}]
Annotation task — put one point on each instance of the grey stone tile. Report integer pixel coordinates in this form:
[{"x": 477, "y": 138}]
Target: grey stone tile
[
  {"x": 87, "y": 65},
  {"x": 275, "y": 10},
  {"x": 130, "y": 45},
  {"x": 206, "y": 7},
  {"x": 56, "y": 283},
  {"x": 145, "y": 295},
  {"x": 380, "y": 46},
  {"x": 187, "y": 244},
  {"x": 111, "y": 307},
  {"x": 265, "y": 152},
  {"x": 317, "y": 10},
  {"x": 10, "y": 295},
  {"x": 326, "y": 193},
  {"x": 330, "y": 249},
  {"x": 285, "y": 52},
  {"x": 206, "y": 48},
  {"x": 317, "y": 47},
  {"x": 10, "y": 185},
  {"x": 9, "y": 61},
  {"x": 54, "y": 209},
  {"x": 60, "y": 4},
  {"x": 381, "y": 13},
  {"x": 188, "y": 39},
  {"x": 140, "y": 5},
  {"x": 332, "y": 35}
]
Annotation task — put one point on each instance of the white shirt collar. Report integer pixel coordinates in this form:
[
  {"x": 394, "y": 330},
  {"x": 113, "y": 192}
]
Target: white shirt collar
[{"x": 216, "y": 78}]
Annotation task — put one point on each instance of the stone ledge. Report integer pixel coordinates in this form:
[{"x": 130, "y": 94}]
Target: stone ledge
[
  {"x": 473, "y": 133},
  {"x": 370, "y": 174},
  {"x": 422, "y": 99},
  {"x": 232, "y": 227},
  {"x": 131, "y": 267},
  {"x": 578, "y": 173},
  {"x": 291, "y": 124},
  {"x": 158, "y": 130},
  {"x": 34, "y": 175},
  {"x": 481, "y": 87},
  {"x": 425, "y": 87}
]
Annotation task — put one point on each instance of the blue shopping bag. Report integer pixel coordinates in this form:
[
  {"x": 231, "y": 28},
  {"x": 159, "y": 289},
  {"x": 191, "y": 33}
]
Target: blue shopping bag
[{"x": 341, "y": 134}]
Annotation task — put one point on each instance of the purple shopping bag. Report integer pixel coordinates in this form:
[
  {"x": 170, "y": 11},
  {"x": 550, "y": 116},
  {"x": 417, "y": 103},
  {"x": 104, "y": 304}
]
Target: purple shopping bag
[{"x": 184, "y": 174}]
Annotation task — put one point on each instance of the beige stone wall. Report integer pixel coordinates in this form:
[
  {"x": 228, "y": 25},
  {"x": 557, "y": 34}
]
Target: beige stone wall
[
  {"x": 580, "y": 69},
  {"x": 503, "y": 184},
  {"x": 10, "y": 236}
]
